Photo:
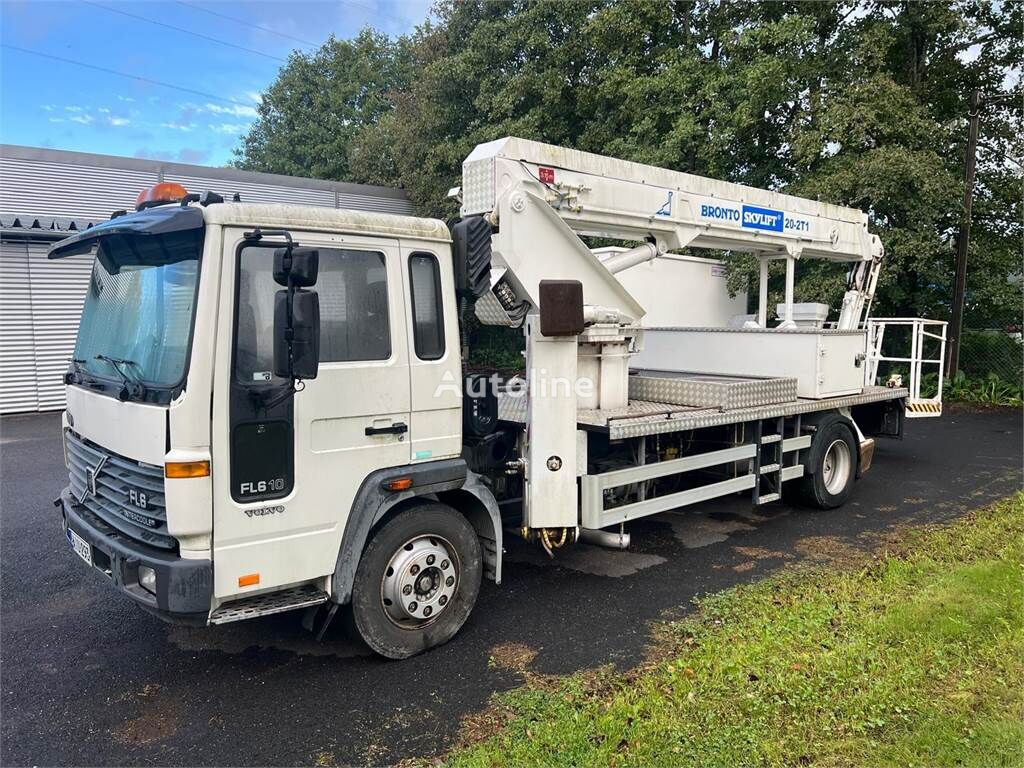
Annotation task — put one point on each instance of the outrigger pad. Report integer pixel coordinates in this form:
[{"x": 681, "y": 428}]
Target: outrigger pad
[{"x": 561, "y": 307}]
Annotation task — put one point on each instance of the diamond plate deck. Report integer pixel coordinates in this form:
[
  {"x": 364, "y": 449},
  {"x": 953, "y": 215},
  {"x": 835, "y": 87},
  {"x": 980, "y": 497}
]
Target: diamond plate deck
[
  {"x": 641, "y": 418},
  {"x": 708, "y": 390}
]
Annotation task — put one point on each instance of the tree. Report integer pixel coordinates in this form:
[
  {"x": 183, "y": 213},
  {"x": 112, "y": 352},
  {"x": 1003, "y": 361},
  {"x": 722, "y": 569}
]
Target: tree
[
  {"x": 862, "y": 104},
  {"x": 321, "y": 102}
]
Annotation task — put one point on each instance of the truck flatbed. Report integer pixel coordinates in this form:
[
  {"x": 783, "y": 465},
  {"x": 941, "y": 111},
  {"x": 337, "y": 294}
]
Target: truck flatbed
[{"x": 646, "y": 417}]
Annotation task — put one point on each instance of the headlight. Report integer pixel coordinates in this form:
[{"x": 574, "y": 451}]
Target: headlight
[{"x": 147, "y": 579}]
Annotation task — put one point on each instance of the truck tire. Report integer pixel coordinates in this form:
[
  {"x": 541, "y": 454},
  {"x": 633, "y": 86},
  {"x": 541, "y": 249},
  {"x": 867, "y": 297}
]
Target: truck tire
[
  {"x": 830, "y": 468},
  {"x": 417, "y": 581}
]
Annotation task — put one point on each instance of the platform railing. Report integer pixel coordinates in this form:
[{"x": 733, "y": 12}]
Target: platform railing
[{"x": 921, "y": 330}]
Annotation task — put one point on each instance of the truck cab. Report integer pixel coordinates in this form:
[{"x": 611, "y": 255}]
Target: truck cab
[{"x": 207, "y": 484}]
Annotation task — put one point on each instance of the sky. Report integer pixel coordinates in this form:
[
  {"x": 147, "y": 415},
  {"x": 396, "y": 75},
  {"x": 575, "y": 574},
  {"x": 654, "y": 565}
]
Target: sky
[{"x": 94, "y": 76}]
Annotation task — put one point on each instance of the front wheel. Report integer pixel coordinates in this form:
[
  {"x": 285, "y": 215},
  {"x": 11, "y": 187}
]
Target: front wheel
[
  {"x": 831, "y": 467},
  {"x": 417, "y": 581}
]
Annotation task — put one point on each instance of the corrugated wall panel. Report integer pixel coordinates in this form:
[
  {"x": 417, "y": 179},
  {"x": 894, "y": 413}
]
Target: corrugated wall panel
[
  {"x": 75, "y": 191},
  {"x": 58, "y": 290},
  {"x": 17, "y": 348},
  {"x": 256, "y": 193},
  {"x": 378, "y": 204}
]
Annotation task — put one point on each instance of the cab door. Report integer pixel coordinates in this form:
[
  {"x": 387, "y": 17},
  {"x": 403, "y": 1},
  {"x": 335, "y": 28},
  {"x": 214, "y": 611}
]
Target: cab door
[{"x": 295, "y": 465}]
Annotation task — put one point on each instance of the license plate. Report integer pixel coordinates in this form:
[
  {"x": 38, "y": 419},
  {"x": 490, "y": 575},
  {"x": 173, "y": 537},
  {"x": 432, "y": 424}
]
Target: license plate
[{"x": 82, "y": 547}]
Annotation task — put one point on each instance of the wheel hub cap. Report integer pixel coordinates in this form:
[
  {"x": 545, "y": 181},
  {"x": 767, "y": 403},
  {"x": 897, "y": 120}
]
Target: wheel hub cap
[
  {"x": 837, "y": 466},
  {"x": 420, "y": 581}
]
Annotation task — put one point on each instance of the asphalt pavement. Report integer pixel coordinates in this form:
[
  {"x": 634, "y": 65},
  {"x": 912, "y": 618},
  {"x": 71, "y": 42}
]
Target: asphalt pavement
[{"x": 86, "y": 678}]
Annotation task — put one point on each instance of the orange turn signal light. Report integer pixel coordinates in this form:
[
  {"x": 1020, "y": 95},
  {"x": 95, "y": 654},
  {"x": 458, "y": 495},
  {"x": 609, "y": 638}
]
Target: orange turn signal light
[
  {"x": 182, "y": 469},
  {"x": 164, "y": 192},
  {"x": 398, "y": 484},
  {"x": 249, "y": 580}
]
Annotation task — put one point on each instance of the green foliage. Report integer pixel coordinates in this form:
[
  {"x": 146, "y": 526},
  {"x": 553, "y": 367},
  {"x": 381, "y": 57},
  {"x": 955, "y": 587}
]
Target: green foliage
[
  {"x": 987, "y": 390},
  {"x": 912, "y": 658},
  {"x": 984, "y": 352},
  {"x": 863, "y": 105},
  {"x": 311, "y": 116}
]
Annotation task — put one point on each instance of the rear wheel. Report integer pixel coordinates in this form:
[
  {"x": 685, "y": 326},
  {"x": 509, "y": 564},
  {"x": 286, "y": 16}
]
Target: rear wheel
[
  {"x": 831, "y": 467},
  {"x": 417, "y": 581}
]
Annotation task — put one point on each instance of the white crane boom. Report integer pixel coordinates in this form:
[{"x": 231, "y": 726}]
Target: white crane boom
[{"x": 606, "y": 197}]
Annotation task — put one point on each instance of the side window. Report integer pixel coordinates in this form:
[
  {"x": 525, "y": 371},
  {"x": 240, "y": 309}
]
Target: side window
[
  {"x": 427, "y": 315},
  {"x": 254, "y": 337},
  {"x": 354, "y": 323}
]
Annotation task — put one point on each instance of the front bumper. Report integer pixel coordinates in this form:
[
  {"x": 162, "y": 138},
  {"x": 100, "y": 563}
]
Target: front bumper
[{"x": 184, "y": 588}]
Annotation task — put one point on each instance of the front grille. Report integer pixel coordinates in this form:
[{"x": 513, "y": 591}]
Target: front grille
[{"x": 129, "y": 495}]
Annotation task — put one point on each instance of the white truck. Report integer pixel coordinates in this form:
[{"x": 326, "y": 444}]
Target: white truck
[{"x": 267, "y": 409}]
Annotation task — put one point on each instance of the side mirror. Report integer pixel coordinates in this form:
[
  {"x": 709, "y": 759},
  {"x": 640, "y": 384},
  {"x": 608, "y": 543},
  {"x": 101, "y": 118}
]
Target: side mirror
[
  {"x": 296, "y": 338},
  {"x": 296, "y": 313},
  {"x": 296, "y": 266}
]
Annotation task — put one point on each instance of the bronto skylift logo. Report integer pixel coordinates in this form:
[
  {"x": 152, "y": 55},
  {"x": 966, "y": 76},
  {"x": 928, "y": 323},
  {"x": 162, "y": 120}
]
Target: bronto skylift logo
[{"x": 747, "y": 216}]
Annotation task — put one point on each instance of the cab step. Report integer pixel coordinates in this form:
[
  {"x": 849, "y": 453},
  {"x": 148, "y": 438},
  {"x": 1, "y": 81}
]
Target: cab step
[
  {"x": 768, "y": 497},
  {"x": 269, "y": 603}
]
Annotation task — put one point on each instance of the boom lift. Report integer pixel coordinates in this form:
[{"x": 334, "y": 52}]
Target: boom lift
[{"x": 267, "y": 408}]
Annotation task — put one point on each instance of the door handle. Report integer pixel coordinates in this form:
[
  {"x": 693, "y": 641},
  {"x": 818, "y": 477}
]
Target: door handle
[{"x": 398, "y": 428}]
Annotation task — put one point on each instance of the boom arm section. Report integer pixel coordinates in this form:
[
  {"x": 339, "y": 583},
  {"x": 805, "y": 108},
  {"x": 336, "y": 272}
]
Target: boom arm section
[{"x": 605, "y": 197}]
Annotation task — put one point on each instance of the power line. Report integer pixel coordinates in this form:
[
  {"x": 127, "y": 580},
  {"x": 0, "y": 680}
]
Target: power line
[
  {"x": 237, "y": 20},
  {"x": 194, "y": 92},
  {"x": 185, "y": 31}
]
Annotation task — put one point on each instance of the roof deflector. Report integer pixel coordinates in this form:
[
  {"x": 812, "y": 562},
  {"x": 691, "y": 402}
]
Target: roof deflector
[{"x": 151, "y": 221}]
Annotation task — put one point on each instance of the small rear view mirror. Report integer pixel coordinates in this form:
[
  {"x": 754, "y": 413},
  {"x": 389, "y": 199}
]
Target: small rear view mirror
[
  {"x": 297, "y": 357},
  {"x": 299, "y": 265}
]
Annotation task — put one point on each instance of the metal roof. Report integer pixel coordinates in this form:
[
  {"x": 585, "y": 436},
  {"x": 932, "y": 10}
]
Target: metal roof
[
  {"x": 184, "y": 169},
  {"x": 48, "y": 227},
  {"x": 49, "y": 193}
]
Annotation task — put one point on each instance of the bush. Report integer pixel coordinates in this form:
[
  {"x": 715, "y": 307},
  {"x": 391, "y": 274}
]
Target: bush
[{"x": 989, "y": 390}]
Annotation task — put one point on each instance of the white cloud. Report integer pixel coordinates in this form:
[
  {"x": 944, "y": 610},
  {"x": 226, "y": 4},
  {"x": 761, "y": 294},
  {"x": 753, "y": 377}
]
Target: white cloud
[
  {"x": 178, "y": 126},
  {"x": 48, "y": 107},
  {"x": 254, "y": 96},
  {"x": 73, "y": 109},
  {"x": 56, "y": 119},
  {"x": 232, "y": 128},
  {"x": 103, "y": 110},
  {"x": 83, "y": 119},
  {"x": 118, "y": 120},
  {"x": 125, "y": 98},
  {"x": 236, "y": 110}
]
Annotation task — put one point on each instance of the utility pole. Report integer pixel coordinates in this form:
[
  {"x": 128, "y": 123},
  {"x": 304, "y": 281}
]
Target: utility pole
[{"x": 963, "y": 239}]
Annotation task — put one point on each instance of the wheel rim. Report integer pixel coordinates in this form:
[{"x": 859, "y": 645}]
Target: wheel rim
[
  {"x": 420, "y": 581},
  {"x": 837, "y": 466}
]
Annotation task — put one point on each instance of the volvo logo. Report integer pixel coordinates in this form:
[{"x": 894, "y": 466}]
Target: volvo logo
[{"x": 90, "y": 480}]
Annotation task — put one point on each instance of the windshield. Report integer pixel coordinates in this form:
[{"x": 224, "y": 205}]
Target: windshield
[{"x": 137, "y": 319}]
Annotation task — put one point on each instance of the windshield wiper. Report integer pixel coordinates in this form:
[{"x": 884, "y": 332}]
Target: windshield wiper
[
  {"x": 132, "y": 387},
  {"x": 80, "y": 374}
]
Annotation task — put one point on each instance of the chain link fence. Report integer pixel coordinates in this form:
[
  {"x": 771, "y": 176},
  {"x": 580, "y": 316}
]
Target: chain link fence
[{"x": 985, "y": 351}]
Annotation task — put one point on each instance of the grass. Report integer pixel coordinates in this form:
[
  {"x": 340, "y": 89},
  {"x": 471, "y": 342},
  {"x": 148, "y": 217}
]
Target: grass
[{"x": 911, "y": 658}]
